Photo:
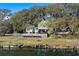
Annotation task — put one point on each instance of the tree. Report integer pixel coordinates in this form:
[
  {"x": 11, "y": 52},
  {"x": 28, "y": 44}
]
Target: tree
[
  {"x": 4, "y": 22},
  {"x": 62, "y": 14}
]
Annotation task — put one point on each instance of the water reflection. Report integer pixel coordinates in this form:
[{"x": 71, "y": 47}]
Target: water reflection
[{"x": 39, "y": 52}]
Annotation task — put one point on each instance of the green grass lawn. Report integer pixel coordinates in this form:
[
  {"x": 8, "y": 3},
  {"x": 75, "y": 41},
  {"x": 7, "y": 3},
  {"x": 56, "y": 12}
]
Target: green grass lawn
[{"x": 5, "y": 40}]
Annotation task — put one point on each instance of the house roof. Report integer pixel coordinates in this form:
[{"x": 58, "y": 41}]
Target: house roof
[
  {"x": 42, "y": 23},
  {"x": 40, "y": 26}
]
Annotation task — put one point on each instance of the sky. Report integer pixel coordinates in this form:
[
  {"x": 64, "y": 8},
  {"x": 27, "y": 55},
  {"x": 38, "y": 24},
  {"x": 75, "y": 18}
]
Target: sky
[{"x": 14, "y": 7}]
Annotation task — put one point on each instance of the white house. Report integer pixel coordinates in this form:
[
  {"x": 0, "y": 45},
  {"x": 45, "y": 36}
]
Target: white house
[{"x": 38, "y": 31}]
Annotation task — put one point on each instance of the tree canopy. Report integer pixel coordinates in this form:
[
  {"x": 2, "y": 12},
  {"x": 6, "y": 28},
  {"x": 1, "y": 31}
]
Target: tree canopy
[{"x": 53, "y": 15}]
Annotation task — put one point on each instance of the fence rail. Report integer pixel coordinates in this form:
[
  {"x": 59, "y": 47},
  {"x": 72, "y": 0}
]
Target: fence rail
[{"x": 30, "y": 35}]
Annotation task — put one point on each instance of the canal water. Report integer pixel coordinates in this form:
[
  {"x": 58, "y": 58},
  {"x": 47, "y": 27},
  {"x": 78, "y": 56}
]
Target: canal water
[{"x": 38, "y": 52}]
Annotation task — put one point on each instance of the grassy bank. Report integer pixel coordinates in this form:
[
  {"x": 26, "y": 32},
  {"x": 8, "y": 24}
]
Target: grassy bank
[{"x": 51, "y": 41}]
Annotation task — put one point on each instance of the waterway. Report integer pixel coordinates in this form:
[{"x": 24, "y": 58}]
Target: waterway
[{"x": 38, "y": 52}]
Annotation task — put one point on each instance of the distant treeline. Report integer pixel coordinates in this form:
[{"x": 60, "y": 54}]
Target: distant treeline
[{"x": 53, "y": 15}]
